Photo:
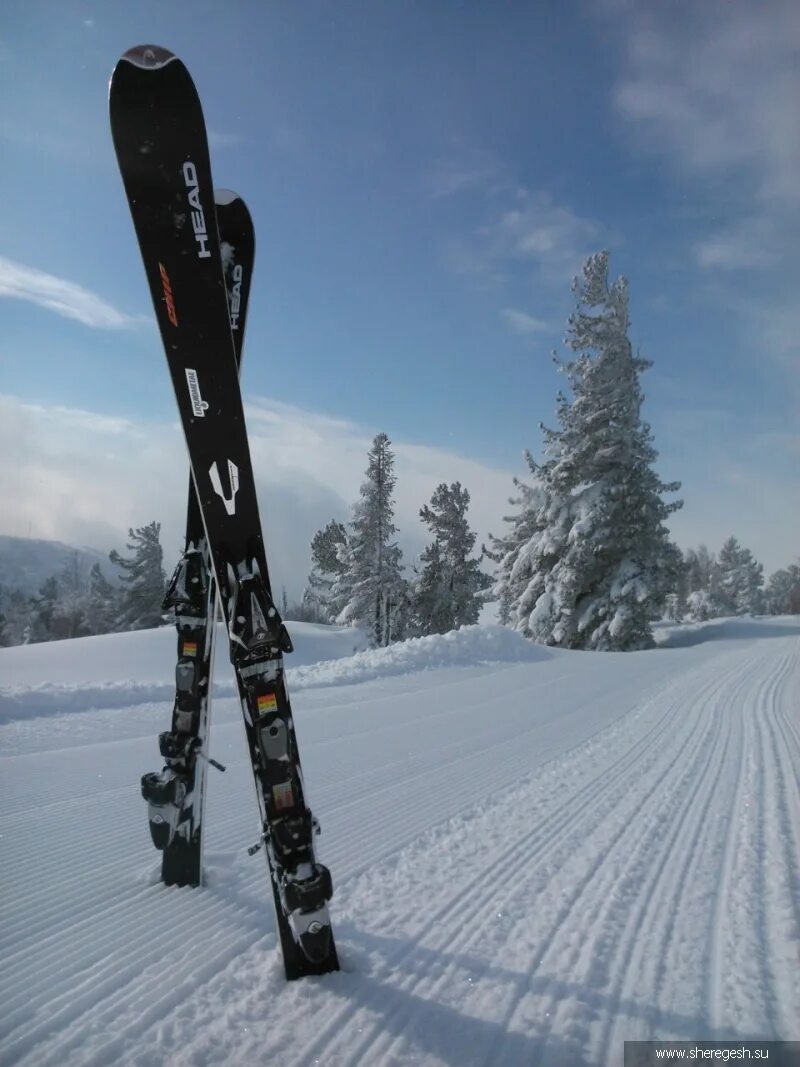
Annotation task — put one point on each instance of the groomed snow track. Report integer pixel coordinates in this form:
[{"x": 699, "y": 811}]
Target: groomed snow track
[{"x": 535, "y": 860}]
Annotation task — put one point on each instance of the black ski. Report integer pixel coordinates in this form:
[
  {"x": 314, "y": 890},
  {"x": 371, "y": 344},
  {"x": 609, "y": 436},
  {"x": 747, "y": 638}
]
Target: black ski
[
  {"x": 160, "y": 140},
  {"x": 176, "y": 795}
]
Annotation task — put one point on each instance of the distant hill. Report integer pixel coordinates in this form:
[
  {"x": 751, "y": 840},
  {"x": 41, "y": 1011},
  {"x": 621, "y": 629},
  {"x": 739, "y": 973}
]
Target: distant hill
[{"x": 26, "y": 562}]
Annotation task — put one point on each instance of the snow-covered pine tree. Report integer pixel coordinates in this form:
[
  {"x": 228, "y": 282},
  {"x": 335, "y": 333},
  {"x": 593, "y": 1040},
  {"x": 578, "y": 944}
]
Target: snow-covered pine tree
[
  {"x": 372, "y": 587},
  {"x": 514, "y": 573},
  {"x": 740, "y": 580},
  {"x": 448, "y": 591},
  {"x": 703, "y": 577},
  {"x": 43, "y": 607},
  {"x": 750, "y": 600},
  {"x": 70, "y": 615},
  {"x": 326, "y": 570},
  {"x": 144, "y": 577},
  {"x": 700, "y": 568},
  {"x": 16, "y": 608},
  {"x": 599, "y": 562},
  {"x": 783, "y": 591},
  {"x": 104, "y": 606}
]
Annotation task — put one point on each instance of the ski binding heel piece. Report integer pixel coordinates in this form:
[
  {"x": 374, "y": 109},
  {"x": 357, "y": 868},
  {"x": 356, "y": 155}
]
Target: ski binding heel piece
[{"x": 165, "y": 793}]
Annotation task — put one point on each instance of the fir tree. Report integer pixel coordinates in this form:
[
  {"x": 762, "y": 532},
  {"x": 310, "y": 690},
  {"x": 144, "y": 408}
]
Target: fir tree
[
  {"x": 703, "y": 600},
  {"x": 783, "y": 591},
  {"x": 505, "y": 551},
  {"x": 103, "y": 608},
  {"x": 326, "y": 571},
  {"x": 70, "y": 614},
  {"x": 144, "y": 578},
  {"x": 598, "y": 562},
  {"x": 701, "y": 566},
  {"x": 43, "y": 607},
  {"x": 17, "y": 609},
  {"x": 448, "y": 590},
  {"x": 371, "y": 586},
  {"x": 740, "y": 580}
]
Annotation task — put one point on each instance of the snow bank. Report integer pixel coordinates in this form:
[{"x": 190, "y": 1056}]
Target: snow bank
[
  {"x": 95, "y": 672},
  {"x": 468, "y": 647},
  {"x": 122, "y": 670},
  {"x": 734, "y": 628}
]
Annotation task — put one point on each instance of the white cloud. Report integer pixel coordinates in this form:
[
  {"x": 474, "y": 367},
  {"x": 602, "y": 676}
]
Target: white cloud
[
  {"x": 59, "y": 295},
  {"x": 542, "y": 232},
  {"x": 522, "y": 323},
  {"x": 84, "y": 478},
  {"x": 467, "y": 171},
  {"x": 530, "y": 235},
  {"x": 716, "y": 90},
  {"x": 747, "y": 245}
]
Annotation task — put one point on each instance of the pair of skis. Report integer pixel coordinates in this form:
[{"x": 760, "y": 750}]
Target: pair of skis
[
  {"x": 161, "y": 145},
  {"x": 176, "y": 795}
]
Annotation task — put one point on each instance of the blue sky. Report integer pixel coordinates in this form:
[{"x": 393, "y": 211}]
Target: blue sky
[{"x": 425, "y": 180}]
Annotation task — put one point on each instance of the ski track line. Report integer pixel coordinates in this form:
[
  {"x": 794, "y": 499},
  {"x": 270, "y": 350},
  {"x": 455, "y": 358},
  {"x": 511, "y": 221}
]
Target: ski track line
[
  {"x": 740, "y": 994},
  {"x": 126, "y": 916},
  {"x": 605, "y": 883},
  {"x": 101, "y": 843},
  {"x": 427, "y": 715},
  {"x": 565, "y": 818},
  {"x": 95, "y": 986},
  {"x": 661, "y": 897},
  {"x": 112, "y": 910},
  {"x": 65, "y": 1032},
  {"x": 781, "y": 888},
  {"x": 637, "y": 940},
  {"x": 759, "y": 880},
  {"x": 590, "y": 878}
]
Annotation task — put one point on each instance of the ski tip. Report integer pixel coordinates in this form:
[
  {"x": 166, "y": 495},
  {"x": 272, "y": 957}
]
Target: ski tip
[
  {"x": 148, "y": 56},
  {"x": 223, "y": 197}
]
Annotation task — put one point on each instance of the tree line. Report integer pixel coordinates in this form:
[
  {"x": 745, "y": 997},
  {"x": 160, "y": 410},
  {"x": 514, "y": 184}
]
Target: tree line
[
  {"x": 585, "y": 560},
  {"x": 72, "y": 604},
  {"x": 357, "y": 576}
]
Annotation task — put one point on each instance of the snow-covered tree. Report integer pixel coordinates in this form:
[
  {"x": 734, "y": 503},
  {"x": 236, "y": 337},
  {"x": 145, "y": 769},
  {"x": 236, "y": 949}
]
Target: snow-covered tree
[
  {"x": 700, "y": 606},
  {"x": 783, "y": 591},
  {"x": 16, "y": 608},
  {"x": 144, "y": 578},
  {"x": 448, "y": 590},
  {"x": 371, "y": 586},
  {"x": 43, "y": 607},
  {"x": 511, "y": 552},
  {"x": 700, "y": 568},
  {"x": 70, "y": 614},
  {"x": 599, "y": 562},
  {"x": 327, "y": 570},
  {"x": 103, "y": 602},
  {"x": 740, "y": 580},
  {"x": 704, "y": 599}
]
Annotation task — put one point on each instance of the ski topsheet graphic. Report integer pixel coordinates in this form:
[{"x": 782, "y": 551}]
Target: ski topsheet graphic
[
  {"x": 160, "y": 140},
  {"x": 176, "y": 796}
]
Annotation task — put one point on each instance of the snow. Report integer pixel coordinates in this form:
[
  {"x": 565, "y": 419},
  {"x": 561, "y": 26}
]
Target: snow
[{"x": 537, "y": 854}]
